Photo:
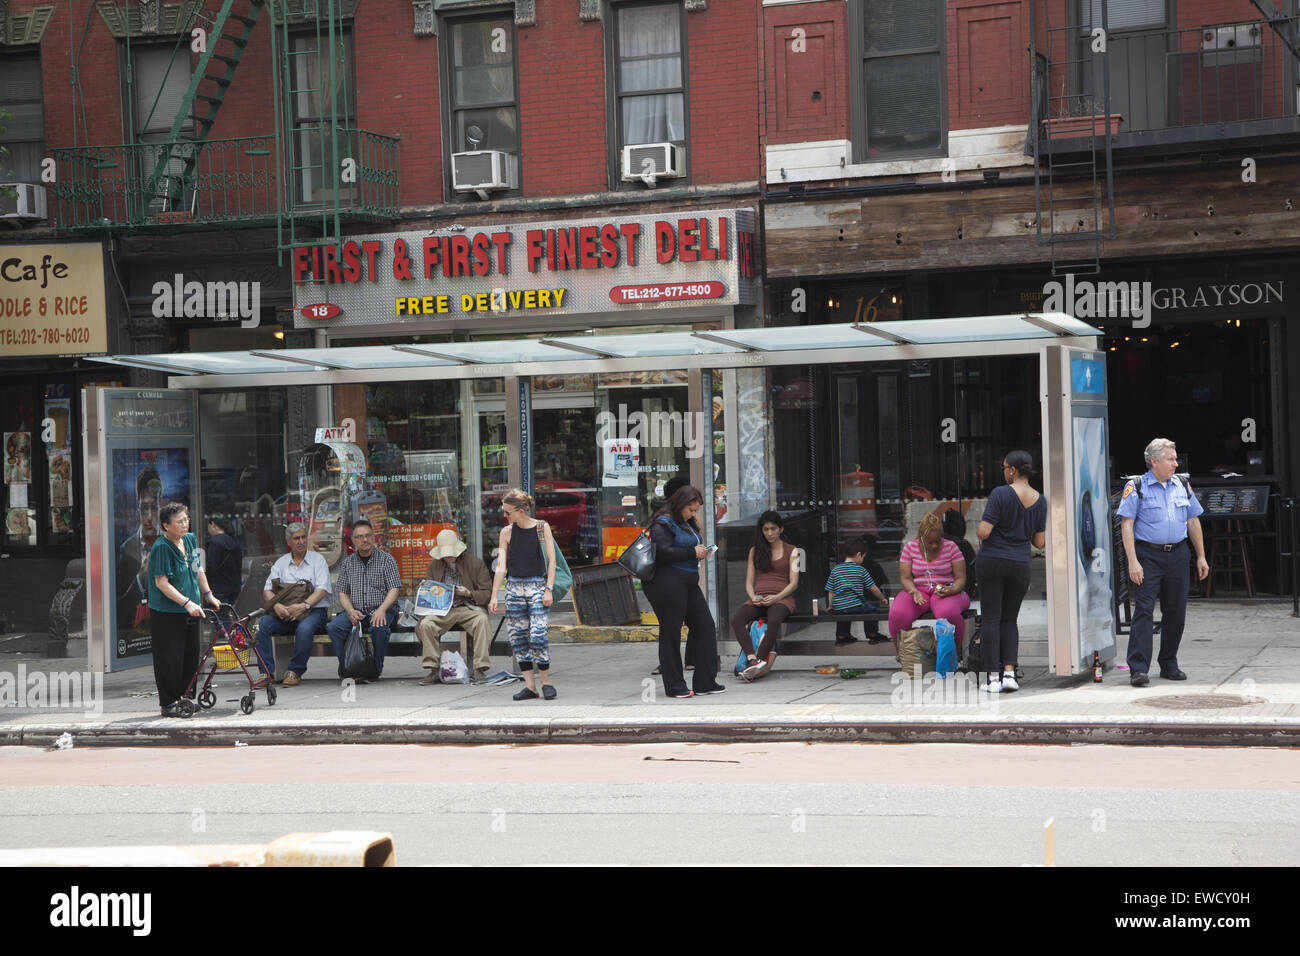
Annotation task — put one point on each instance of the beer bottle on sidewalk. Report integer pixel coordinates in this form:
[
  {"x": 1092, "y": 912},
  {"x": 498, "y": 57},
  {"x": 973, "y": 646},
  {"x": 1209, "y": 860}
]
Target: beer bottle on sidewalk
[{"x": 1096, "y": 667}]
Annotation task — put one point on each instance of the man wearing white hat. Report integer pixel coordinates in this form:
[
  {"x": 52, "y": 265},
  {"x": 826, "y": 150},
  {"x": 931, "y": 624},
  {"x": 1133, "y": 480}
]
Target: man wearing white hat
[{"x": 469, "y": 578}]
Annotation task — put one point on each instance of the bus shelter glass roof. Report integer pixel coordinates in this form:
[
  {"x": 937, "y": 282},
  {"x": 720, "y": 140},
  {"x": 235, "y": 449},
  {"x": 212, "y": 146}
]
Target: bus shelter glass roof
[{"x": 974, "y": 329}]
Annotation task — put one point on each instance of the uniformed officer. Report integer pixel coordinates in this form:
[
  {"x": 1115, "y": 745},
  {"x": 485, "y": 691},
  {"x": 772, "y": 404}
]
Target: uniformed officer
[{"x": 1159, "y": 513}]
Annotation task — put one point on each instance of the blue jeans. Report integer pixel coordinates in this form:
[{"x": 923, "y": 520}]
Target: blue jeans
[
  {"x": 341, "y": 627},
  {"x": 303, "y": 632}
]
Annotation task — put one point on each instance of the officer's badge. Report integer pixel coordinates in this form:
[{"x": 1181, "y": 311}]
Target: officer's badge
[{"x": 1128, "y": 490}]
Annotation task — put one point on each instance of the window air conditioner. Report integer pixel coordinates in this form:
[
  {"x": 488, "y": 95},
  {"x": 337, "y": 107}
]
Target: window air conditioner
[
  {"x": 660, "y": 160},
  {"x": 484, "y": 169},
  {"x": 29, "y": 203}
]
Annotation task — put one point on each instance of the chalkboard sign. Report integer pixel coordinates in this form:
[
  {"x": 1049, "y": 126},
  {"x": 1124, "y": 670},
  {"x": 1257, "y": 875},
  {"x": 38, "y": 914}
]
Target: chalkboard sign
[{"x": 1236, "y": 501}]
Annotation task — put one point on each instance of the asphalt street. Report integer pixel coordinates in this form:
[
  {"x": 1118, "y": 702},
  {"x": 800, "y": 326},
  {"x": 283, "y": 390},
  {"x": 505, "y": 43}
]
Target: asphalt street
[{"x": 946, "y": 804}]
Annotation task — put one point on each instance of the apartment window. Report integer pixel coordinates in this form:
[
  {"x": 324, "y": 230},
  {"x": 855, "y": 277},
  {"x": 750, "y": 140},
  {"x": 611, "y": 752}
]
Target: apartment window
[
  {"x": 649, "y": 74},
  {"x": 899, "y": 106},
  {"x": 315, "y": 168},
  {"x": 483, "y": 96},
  {"x": 24, "y": 127},
  {"x": 160, "y": 77},
  {"x": 1127, "y": 14}
]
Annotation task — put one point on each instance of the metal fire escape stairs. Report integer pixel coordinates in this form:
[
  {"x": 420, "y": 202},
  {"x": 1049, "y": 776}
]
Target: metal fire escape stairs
[
  {"x": 1284, "y": 26},
  {"x": 313, "y": 75},
  {"x": 173, "y": 172},
  {"x": 1074, "y": 175}
]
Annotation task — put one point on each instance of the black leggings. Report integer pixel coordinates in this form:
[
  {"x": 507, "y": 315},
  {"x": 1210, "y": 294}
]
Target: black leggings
[
  {"x": 1003, "y": 585},
  {"x": 175, "y": 653},
  {"x": 747, "y": 615},
  {"x": 677, "y": 599}
]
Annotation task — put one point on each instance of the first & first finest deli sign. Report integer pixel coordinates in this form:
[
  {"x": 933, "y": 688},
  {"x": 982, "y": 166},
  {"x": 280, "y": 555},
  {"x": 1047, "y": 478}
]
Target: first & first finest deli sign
[{"x": 547, "y": 268}]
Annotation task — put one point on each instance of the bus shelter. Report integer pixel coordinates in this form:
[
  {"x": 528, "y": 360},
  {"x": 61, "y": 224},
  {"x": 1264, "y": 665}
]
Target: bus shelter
[{"x": 817, "y": 422}]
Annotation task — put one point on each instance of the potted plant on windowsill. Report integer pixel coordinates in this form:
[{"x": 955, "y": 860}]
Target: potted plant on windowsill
[{"x": 1080, "y": 117}]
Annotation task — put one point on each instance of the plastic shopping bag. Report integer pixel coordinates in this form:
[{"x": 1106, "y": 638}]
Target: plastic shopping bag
[
  {"x": 358, "y": 660},
  {"x": 945, "y": 641},
  {"x": 452, "y": 669}
]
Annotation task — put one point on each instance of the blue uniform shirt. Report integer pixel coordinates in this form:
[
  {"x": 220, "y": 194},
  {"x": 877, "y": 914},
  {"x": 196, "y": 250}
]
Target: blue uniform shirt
[{"x": 1160, "y": 516}]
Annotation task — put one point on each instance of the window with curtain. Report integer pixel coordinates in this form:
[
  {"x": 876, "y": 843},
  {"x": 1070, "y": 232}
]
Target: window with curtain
[
  {"x": 649, "y": 74},
  {"x": 24, "y": 130},
  {"x": 484, "y": 106},
  {"x": 900, "y": 77},
  {"x": 310, "y": 99}
]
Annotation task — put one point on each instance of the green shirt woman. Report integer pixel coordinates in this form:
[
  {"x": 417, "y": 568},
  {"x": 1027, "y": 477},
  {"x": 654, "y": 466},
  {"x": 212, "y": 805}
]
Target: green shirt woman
[{"x": 177, "y": 588}]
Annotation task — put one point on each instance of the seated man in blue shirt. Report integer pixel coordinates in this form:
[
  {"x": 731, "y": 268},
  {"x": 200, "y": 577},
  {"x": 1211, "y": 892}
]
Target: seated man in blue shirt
[
  {"x": 1158, "y": 514},
  {"x": 303, "y": 619}
]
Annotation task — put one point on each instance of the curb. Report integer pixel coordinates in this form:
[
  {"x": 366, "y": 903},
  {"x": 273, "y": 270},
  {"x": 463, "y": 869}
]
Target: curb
[{"x": 571, "y": 731}]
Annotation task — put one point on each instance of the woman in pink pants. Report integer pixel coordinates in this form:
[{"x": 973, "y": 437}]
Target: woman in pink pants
[{"x": 933, "y": 575}]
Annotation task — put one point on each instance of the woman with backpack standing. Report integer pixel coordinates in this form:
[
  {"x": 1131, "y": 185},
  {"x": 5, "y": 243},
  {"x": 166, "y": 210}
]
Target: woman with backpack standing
[
  {"x": 1014, "y": 518},
  {"x": 527, "y": 566}
]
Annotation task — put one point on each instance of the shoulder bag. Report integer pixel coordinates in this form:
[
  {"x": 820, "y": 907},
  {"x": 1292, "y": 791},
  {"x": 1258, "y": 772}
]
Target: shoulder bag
[{"x": 639, "y": 557}]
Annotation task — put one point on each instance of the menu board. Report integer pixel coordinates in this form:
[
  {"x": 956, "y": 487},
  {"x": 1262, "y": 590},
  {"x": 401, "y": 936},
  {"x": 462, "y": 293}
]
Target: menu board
[{"x": 1237, "y": 501}]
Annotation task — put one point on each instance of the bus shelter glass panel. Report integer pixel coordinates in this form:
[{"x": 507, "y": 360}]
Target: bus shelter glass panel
[
  {"x": 420, "y": 468},
  {"x": 647, "y": 434},
  {"x": 246, "y": 479},
  {"x": 864, "y": 451}
]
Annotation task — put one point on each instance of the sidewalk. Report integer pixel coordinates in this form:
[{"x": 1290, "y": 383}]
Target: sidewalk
[{"x": 1242, "y": 660}]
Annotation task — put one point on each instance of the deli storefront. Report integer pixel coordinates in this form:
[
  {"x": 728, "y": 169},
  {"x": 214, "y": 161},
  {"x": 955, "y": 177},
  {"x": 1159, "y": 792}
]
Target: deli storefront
[{"x": 418, "y": 454}]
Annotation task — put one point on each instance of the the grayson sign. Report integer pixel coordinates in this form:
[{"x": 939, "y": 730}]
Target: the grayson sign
[{"x": 547, "y": 268}]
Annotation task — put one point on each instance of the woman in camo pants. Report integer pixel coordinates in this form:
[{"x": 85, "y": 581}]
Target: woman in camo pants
[{"x": 529, "y": 573}]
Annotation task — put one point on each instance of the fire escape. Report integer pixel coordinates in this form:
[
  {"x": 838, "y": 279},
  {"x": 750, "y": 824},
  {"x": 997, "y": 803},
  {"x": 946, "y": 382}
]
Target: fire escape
[
  {"x": 1074, "y": 176},
  {"x": 306, "y": 177}
]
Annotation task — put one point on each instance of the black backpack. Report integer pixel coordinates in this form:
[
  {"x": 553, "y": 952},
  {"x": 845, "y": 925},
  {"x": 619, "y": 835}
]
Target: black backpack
[{"x": 968, "y": 553}]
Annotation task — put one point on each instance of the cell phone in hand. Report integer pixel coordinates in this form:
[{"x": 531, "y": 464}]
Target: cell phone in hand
[{"x": 711, "y": 548}]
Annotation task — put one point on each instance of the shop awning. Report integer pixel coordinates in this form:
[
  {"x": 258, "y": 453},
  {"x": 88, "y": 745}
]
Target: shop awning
[{"x": 877, "y": 341}]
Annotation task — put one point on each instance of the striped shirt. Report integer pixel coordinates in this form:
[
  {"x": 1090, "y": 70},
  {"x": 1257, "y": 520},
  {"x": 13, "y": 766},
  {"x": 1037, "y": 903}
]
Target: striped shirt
[
  {"x": 848, "y": 585},
  {"x": 367, "y": 583},
  {"x": 931, "y": 574}
]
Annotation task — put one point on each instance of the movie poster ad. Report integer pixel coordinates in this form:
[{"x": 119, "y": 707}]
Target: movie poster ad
[
  {"x": 143, "y": 481},
  {"x": 1092, "y": 558}
]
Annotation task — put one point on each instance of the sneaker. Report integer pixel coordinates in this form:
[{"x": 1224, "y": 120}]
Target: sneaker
[
  {"x": 292, "y": 679},
  {"x": 841, "y": 641},
  {"x": 715, "y": 689},
  {"x": 684, "y": 695},
  {"x": 480, "y": 675},
  {"x": 1009, "y": 682},
  {"x": 261, "y": 683},
  {"x": 754, "y": 671},
  {"x": 548, "y": 692},
  {"x": 430, "y": 678},
  {"x": 526, "y": 694},
  {"x": 994, "y": 686}
]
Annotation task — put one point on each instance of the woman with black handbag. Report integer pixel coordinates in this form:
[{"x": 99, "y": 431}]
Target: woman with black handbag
[{"x": 674, "y": 593}]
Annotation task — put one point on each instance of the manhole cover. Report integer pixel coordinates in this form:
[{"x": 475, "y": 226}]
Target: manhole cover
[{"x": 1201, "y": 701}]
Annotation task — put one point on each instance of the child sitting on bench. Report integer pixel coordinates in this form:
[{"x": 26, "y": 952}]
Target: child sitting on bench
[{"x": 847, "y": 589}]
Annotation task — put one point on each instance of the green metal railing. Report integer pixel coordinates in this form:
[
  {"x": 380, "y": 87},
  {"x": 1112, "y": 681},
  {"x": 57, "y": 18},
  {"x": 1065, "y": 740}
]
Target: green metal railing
[{"x": 223, "y": 181}]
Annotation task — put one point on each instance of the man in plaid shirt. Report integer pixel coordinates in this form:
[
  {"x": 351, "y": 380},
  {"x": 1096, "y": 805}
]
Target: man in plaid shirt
[{"x": 367, "y": 586}]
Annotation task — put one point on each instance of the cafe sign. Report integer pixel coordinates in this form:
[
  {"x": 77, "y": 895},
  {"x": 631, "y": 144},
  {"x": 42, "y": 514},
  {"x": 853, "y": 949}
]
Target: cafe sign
[
  {"x": 567, "y": 267},
  {"x": 52, "y": 300}
]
